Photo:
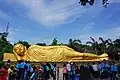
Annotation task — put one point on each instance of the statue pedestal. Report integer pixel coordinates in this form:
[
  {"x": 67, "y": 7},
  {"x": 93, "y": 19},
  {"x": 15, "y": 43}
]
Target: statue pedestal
[{"x": 59, "y": 72}]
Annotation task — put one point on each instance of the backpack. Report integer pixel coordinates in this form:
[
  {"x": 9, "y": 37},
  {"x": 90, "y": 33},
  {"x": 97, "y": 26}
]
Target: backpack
[
  {"x": 49, "y": 66},
  {"x": 46, "y": 68},
  {"x": 33, "y": 76}
]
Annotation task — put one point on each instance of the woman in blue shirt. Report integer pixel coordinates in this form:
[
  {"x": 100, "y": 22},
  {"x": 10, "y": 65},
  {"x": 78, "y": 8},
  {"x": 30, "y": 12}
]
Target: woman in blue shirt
[{"x": 113, "y": 71}]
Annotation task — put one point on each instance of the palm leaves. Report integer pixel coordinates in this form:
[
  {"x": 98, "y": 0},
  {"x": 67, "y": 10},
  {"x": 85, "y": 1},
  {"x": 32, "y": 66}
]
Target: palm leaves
[
  {"x": 77, "y": 41},
  {"x": 76, "y": 45},
  {"x": 94, "y": 45},
  {"x": 73, "y": 42},
  {"x": 104, "y": 46},
  {"x": 117, "y": 42},
  {"x": 103, "y": 42}
]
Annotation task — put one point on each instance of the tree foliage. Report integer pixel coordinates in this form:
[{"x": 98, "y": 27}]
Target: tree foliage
[
  {"x": 93, "y": 46},
  {"x": 54, "y": 42},
  {"x": 91, "y": 2},
  {"x": 5, "y": 46},
  {"x": 41, "y": 44},
  {"x": 76, "y": 45}
]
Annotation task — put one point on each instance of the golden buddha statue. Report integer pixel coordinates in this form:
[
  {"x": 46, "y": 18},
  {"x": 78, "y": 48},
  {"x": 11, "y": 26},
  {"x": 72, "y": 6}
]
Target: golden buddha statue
[{"x": 37, "y": 53}]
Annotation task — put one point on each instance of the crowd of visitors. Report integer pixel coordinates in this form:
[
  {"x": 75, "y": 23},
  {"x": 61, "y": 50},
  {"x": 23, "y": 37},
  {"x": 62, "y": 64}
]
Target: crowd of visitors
[
  {"x": 23, "y": 70},
  {"x": 95, "y": 71}
]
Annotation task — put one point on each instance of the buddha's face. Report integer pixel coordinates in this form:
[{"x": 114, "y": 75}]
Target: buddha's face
[{"x": 19, "y": 49}]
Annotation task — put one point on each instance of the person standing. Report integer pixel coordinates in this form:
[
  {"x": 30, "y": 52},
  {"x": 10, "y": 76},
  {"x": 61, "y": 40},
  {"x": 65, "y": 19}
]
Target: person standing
[
  {"x": 20, "y": 67},
  {"x": 54, "y": 69},
  {"x": 113, "y": 71},
  {"x": 64, "y": 72},
  {"x": 95, "y": 70},
  {"x": 90, "y": 67},
  {"x": 42, "y": 70},
  {"x": 77, "y": 74},
  {"x": 26, "y": 72},
  {"x": 104, "y": 71},
  {"x": 118, "y": 71},
  {"x": 51, "y": 71},
  {"x": 3, "y": 73},
  {"x": 34, "y": 75},
  {"x": 8, "y": 64},
  {"x": 46, "y": 72},
  {"x": 11, "y": 73},
  {"x": 84, "y": 73},
  {"x": 72, "y": 71},
  {"x": 69, "y": 71},
  {"x": 27, "y": 64}
]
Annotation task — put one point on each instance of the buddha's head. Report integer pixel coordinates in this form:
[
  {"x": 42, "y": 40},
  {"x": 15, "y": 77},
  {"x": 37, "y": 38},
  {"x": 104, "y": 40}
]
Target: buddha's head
[{"x": 19, "y": 49}]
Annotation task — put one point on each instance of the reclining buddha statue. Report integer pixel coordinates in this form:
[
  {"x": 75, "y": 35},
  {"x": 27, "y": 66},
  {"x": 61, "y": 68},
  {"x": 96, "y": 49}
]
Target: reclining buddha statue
[{"x": 37, "y": 53}]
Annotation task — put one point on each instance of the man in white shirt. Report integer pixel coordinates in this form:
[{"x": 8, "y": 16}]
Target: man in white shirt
[
  {"x": 69, "y": 70},
  {"x": 69, "y": 67},
  {"x": 96, "y": 71},
  {"x": 95, "y": 67}
]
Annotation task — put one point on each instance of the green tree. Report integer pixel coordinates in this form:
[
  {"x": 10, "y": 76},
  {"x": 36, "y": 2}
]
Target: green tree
[
  {"x": 117, "y": 43},
  {"x": 91, "y": 2},
  {"x": 55, "y": 42},
  {"x": 41, "y": 44},
  {"x": 94, "y": 45},
  {"x": 103, "y": 45},
  {"x": 113, "y": 49},
  {"x": 5, "y": 45},
  {"x": 110, "y": 46},
  {"x": 72, "y": 43},
  {"x": 76, "y": 45},
  {"x": 8, "y": 48}
]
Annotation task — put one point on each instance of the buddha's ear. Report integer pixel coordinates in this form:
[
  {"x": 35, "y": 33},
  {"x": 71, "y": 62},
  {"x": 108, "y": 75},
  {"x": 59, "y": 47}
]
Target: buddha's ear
[{"x": 25, "y": 48}]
